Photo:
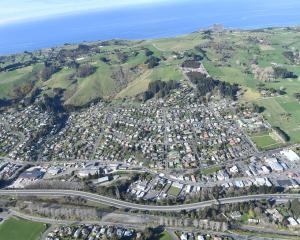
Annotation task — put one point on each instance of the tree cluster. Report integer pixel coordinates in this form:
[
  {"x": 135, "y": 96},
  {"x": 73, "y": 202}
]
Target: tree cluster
[
  {"x": 160, "y": 88},
  {"x": 295, "y": 207},
  {"x": 207, "y": 84},
  {"x": 152, "y": 233},
  {"x": 297, "y": 96},
  {"x": 195, "y": 56},
  {"x": 51, "y": 104},
  {"x": 48, "y": 70},
  {"x": 21, "y": 91},
  {"x": 152, "y": 62},
  {"x": 258, "y": 109},
  {"x": 85, "y": 70},
  {"x": 191, "y": 64},
  {"x": 14, "y": 66},
  {"x": 281, "y": 72},
  {"x": 282, "y": 134},
  {"x": 272, "y": 90},
  {"x": 293, "y": 57},
  {"x": 148, "y": 52}
]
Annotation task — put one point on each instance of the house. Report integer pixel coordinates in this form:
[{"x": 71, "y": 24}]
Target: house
[
  {"x": 236, "y": 215},
  {"x": 32, "y": 174},
  {"x": 292, "y": 221},
  {"x": 54, "y": 170},
  {"x": 200, "y": 237},
  {"x": 101, "y": 180},
  {"x": 77, "y": 233},
  {"x": 184, "y": 236},
  {"x": 234, "y": 169}
]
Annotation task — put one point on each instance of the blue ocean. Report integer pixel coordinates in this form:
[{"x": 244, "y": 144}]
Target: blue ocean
[{"x": 153, "y": 21}]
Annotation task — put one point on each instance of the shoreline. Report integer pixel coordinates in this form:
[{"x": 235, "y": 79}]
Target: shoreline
[{"x": 157, "y": 37}]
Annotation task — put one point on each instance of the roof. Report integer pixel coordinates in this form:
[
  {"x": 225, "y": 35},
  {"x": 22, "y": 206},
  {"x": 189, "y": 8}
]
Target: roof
[
  {"x": 290, "y": 155},
  {"x": 32, "y": 174}
]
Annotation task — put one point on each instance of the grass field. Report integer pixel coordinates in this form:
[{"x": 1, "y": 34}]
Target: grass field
[
  {"x": 17, "y": 229},
  {"x": 165, "y": 236},
  {"x": 174, "y": 191},
  {"x": 264, "y": 141},
  {"x": 8, "y": 80},
  {"x": 137, "y": 86},
  {"x": 283, "y": 112},
  {"x": 211, "y": 170}
]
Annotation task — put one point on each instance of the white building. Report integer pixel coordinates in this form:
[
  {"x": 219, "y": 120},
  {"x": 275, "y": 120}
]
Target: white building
[
  {"x": 234, "y": 169},
  {"x": 274, "y": 164},
  {"x": 292, "y": 221},
  {"x": 290, "y": 155}
]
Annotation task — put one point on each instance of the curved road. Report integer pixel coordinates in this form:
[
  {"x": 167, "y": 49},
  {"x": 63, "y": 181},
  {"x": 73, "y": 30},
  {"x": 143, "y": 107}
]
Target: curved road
[{"x": 123, "y": 204}]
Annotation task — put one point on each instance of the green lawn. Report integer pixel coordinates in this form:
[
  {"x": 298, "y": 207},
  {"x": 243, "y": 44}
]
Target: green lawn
[
  {"x": 283, "y": 112},
  {"x": 211, "y": 170},
  {"x": 9, "y": 80},
  {"x": 166, "y": 73},
  {"x": 174, "y": 191},
  {"x": 264, "y": 141},
  {"x": 165, "y": 236},
  {"x": 17, "y": 229}
]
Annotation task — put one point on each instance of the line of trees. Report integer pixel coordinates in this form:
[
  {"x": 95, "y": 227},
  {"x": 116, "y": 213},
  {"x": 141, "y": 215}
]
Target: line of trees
[
  {"x": 160, "y": 88},
  {"x": 85, "y": 70},
  {"x": 207, "y": 84},
  {"x": 297, "y": 96},
  {"x": 191, "y": 64},
  {"x": 152, "y": 62},
  {"x": 280, "y": 72},
  {"x": 48, "y": 70},
  {"x": 282, "y": 134}
]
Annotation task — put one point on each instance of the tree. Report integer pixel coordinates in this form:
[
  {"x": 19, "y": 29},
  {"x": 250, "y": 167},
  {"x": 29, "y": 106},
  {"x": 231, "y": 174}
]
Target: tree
[
  {"x": 191, "y": 64},
  {"x": 48, "y": 71},
  {"x": 160, "y": 88},
  {"x": 85, "y": 70},
  {"x": 295, "y": 207},
  {"x": 148, "y": 52},
  {"x": 152, "y": 62},
  {"x": 280, "y": 72},
  {"x": 258, "y": 109}
]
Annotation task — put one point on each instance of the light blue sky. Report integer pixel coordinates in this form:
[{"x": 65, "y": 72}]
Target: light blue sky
[{"x": 23, "y": 10}]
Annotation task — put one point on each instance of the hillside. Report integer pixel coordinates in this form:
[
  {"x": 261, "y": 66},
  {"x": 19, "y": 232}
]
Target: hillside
[{"x": 265, "y": 63}]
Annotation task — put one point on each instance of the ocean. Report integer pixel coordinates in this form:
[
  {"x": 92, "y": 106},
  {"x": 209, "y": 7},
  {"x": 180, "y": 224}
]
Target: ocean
[{"x": 153, "y": 21}]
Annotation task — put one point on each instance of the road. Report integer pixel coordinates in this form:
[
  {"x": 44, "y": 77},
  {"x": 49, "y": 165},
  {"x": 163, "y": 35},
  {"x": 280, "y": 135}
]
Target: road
[
  {"x": 137, "y": 226},
  {"x": 123, "y": 204}
]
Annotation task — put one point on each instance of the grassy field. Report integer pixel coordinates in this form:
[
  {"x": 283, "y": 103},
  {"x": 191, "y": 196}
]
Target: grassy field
[
  {"x": 165, "y": 236},
  {"x": 174, "y": 191},
  {"x": 8, "y": 80},
  {"x": 211, "y": 170},
  {"x": 283, "y": 112},
  {"x": 137, "y": 86},
  {"x": 14, "y": 229},
  {"x": 265, "y": 141}
]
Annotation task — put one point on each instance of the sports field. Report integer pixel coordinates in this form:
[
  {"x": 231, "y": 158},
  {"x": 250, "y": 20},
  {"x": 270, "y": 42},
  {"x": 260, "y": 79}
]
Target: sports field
[
  {"x": 18, "y": 229},
  {"x": 264, "y": 141}
]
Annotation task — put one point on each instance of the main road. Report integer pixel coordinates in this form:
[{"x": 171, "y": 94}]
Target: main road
[{"x": 123, "y": 204}]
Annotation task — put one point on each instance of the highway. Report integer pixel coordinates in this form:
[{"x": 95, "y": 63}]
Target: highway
[{"x": 123, "y": 204}]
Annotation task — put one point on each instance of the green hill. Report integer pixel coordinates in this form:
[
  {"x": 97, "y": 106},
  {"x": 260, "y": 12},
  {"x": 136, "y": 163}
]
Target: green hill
[{"x": 264, "y": 62}]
